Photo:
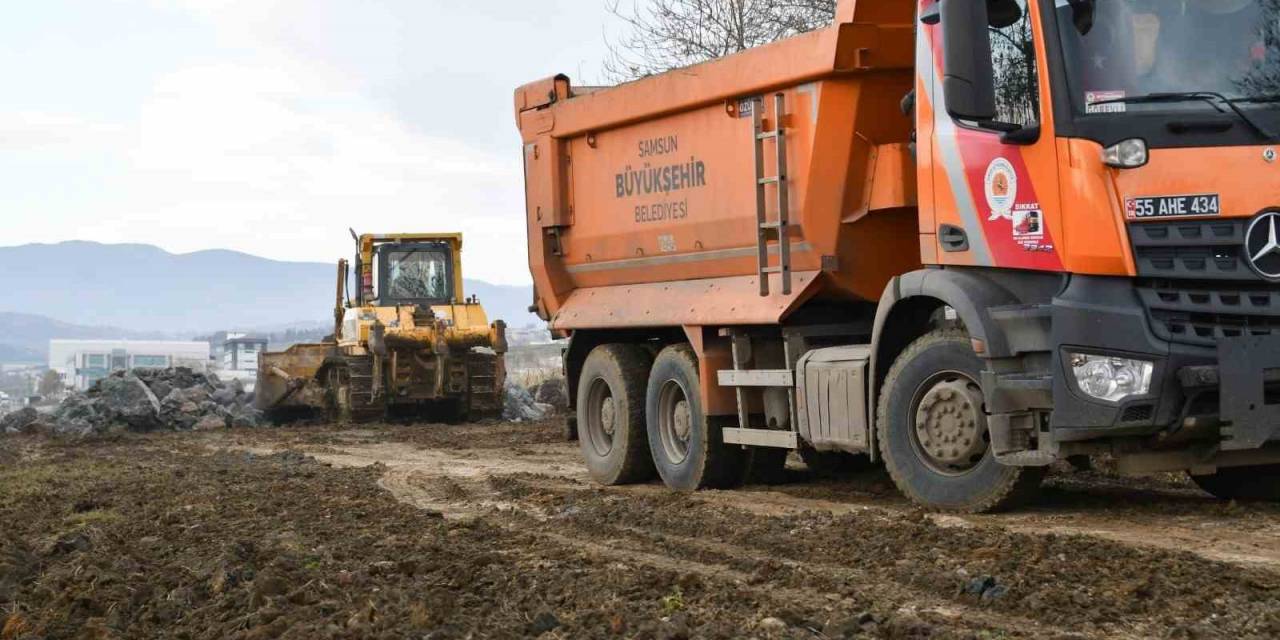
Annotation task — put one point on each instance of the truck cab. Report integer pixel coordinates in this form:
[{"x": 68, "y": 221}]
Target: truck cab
[{"x": 1126, "y": 150}]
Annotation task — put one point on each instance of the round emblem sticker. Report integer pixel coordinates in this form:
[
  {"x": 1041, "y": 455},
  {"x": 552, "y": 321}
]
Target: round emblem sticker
[{"x": 1002, "y": 188}]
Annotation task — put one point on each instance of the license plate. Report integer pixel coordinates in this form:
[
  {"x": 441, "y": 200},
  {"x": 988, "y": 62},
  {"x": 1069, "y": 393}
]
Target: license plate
[{"x": 1205, "y": 204}]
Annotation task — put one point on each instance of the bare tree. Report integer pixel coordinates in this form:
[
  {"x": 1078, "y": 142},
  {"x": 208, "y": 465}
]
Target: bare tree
[
  {"x": 50, "y": 383},
  {"x": 1263, "y": 77},
  {"x": 668, "y": 34}
]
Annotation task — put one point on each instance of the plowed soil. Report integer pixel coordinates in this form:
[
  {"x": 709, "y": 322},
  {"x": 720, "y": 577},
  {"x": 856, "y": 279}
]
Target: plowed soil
[{"x": 494, "y": 531}]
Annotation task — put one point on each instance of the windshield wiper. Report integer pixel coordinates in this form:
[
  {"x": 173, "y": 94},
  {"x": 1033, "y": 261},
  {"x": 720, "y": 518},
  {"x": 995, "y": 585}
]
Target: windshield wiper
[{"x": 1211, "y": 97}]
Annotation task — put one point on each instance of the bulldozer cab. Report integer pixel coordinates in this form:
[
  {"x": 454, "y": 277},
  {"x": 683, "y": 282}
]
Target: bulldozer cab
[
  {"x": 417, "y": 273},
  {"x": 411, "y": 270}
]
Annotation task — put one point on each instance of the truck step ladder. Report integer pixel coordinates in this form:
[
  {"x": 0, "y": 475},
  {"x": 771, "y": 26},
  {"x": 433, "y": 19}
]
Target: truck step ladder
[
  {"x": 742, "y": 379},
  {"x": 774, "y": 232}
]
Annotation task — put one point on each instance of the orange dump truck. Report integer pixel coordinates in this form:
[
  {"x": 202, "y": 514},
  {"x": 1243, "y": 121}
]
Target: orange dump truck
[{"x": 964, "y": 239}]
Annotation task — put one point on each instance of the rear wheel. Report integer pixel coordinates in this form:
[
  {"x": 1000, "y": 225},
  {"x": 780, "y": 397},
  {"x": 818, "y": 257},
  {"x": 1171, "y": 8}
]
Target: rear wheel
[
  {"x": 1251, "y": 484},
  {"x": 932, "y": 430},
  {"x": 611, "y": 427},
  {"x": 688, "y": 450}
]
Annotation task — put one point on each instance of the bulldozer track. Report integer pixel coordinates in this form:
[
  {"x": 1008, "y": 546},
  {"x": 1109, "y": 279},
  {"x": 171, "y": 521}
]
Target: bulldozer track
[
  {"x": 484, "y": 384},
  {"x": 364, "y": 406}
]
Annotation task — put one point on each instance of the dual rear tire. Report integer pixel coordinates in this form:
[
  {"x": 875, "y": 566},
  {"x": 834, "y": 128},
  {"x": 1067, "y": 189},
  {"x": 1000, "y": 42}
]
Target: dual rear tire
[
  {"x": 640, "y": 417},
  {"x": 688, "y": 449},
  {"x": 611, "y": 424}
]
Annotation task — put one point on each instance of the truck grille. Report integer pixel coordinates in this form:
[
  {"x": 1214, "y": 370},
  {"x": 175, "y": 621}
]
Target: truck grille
[{"x": 1195, "y": 284}]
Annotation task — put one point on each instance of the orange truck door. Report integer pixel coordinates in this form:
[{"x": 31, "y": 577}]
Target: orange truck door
[{"x": 995, "y": 194}]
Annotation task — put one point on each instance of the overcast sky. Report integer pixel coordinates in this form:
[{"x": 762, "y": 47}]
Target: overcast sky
[{"x": 270, "y": 126}]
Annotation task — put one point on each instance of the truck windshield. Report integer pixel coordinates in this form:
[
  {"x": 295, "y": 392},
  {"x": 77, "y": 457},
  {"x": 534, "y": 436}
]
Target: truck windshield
[
  {"x": 1134, "y": 48},
  {"x": 416, "y": 274}
]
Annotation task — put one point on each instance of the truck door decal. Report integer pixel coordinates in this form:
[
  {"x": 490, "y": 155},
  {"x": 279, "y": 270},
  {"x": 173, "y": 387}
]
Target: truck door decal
[{"x": 1014, "y": 223}]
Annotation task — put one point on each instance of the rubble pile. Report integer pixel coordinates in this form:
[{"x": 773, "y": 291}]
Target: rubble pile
[
  {"x": 552, "y": 392},
  {"x": 520, "y": 406},
  {"x": 177, "y": 399},
  {"x": 19, "y": 421},
  {"x": 535, "y": 402}
]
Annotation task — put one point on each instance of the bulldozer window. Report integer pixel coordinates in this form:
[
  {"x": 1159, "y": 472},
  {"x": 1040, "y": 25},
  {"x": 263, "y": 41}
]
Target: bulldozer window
[{"x": 415, "y": 274}]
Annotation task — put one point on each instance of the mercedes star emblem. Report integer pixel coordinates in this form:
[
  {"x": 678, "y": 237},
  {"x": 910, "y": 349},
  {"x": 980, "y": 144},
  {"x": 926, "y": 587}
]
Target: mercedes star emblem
[
  {"x": 1262, "y": 245},
  {"x": 1269, "y": 154}
]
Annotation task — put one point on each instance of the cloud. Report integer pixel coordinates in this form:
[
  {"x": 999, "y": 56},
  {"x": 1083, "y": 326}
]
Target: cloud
[
  {"x": 228, "y": 148},
  {"x": 271, "y": 126},
  {"x": 37, "y": 131},
  {"x": 268, "y": 149}
]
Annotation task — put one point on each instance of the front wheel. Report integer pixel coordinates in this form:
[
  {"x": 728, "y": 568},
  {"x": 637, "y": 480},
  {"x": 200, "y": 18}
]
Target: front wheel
[
  {"x": 688, "y": 449},
  {"x": 1249, "y": 484},
  {"x": 932, "y": 430}
]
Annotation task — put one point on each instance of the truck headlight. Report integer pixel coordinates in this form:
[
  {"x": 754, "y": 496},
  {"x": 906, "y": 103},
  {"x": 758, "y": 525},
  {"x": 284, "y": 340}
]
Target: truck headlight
[
  {"x": 1110, "y": 378},
  {"x": 1126, "y": 154}
]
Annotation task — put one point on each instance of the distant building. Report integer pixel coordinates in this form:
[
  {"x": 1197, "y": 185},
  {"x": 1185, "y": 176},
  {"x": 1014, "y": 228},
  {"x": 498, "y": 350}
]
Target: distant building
[
  {"x": 241, "y": 353},
  {"x": 83, "y": 362}
]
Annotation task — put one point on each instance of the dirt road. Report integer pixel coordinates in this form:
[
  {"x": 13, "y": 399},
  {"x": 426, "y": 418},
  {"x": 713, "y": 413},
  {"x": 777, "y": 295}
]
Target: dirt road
[{"x": 494, "y": 531}]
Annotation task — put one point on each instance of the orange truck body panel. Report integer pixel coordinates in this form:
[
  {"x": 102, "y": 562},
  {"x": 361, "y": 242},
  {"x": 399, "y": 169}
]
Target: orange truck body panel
[{"x": 635, "y": 190}]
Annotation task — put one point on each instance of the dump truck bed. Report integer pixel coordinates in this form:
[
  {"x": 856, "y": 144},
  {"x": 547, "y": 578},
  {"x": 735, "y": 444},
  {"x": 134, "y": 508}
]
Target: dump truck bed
[{"x": 644, "y": 199}]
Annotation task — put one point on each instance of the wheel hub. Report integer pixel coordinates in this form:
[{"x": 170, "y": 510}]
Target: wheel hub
[
  {"x": 675, "y": 422},
  {"x": 682, "y": 419},
  {"x": 950, "y": 425},
  {"x": 602, "y": 419},
  {"x": 608, "y": 416}
]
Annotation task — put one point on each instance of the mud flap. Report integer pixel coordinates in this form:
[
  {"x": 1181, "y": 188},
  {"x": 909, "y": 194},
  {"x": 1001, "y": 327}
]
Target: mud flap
[{"x": 1244, "y": 364}]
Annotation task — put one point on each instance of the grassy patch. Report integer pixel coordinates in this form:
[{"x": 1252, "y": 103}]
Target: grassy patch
[{"x": 94, "y": 517}]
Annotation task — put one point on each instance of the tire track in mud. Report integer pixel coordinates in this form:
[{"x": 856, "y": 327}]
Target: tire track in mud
[
  {"x": 1054, "y": 582},
  {"x": 1173, "y": 520},
  {"x": 520, "y": 506},
  {"x": 516, "y": 501},
  {"x": 797, "y": 545}
]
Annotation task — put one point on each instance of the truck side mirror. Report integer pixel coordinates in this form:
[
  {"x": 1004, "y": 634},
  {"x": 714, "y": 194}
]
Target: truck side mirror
[
  {"x": 1082, "y": 12},
  {"x": 968, "y": 79},
  {"x": 1002, "y": 14}
]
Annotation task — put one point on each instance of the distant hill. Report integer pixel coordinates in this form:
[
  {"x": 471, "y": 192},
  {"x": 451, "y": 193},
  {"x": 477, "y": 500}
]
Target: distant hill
[
  {"x": 142, "y": 288},
  {"x": 13, "y": 354},
  {"x": 24, "y": 337}
]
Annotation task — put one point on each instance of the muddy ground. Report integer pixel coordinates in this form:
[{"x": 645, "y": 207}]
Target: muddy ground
[{"x": 494, "y": 531}]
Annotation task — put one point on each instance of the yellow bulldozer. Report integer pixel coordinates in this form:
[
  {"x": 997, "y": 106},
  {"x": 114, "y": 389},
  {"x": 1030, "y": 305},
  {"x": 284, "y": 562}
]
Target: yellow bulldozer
[{"x": 410, "y": 344}]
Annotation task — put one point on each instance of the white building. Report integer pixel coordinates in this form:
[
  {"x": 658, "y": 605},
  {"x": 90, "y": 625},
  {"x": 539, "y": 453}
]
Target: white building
[
  {"x": 241, "y": 353},
  {"x": 83, "y": 362}
]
